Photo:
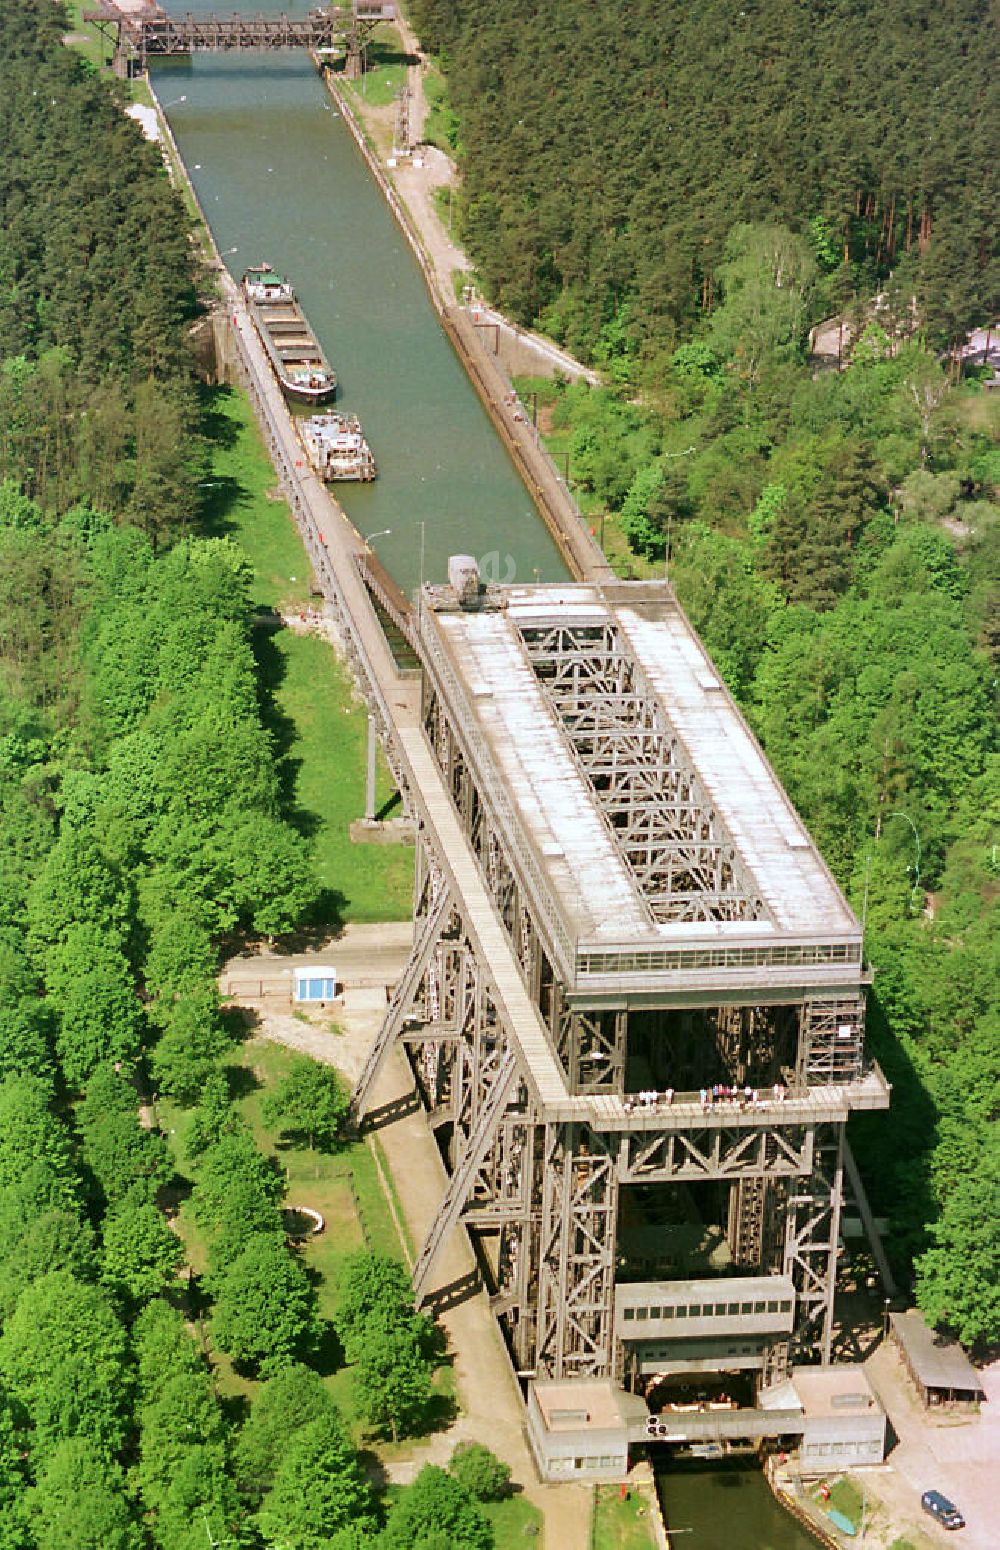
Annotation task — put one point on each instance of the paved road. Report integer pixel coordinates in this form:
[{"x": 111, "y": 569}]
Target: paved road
[{"x": 956, "y": 1453}]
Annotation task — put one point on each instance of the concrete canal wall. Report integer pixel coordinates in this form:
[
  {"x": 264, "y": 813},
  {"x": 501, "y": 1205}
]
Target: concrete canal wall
[{"x": 560, "y": 513}]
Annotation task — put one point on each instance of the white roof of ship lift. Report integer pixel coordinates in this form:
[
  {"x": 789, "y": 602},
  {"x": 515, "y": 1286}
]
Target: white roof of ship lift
[{"x": 556, "y": 803}]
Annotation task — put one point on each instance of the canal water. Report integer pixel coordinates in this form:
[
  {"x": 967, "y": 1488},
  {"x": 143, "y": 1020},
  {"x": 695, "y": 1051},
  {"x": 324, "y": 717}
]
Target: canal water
[
  {"x": 725, "y": 1505},
  {"x": 281, "y": 180}
]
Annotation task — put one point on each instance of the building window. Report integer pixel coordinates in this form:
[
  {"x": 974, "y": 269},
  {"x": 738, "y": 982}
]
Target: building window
[
  {"x": 642, "y": 1313},
  {"x": 628, "y": 1315}
]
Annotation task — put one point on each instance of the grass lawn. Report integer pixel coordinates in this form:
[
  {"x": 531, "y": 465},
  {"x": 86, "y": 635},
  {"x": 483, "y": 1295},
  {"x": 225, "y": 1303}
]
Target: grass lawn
[
  {"x": 237, "y": 502},
  {"x": 343, "y": 1187},
  {"x": 386, "y": 71},
  {"x": 844, "y": 1497},
  {"x": 87, "y": 41},
  {"x": 516, "y": 1522},
  {"x": 620, "y": 1525},
  {"x": 319, "y": 724}
]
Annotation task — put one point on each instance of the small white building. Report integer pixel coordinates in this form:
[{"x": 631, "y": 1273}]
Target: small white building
[{"x": 316, "y": 984}]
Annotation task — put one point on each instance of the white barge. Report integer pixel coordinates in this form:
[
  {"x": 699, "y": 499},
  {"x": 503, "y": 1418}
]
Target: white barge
[{"x": 336, "y": 447}]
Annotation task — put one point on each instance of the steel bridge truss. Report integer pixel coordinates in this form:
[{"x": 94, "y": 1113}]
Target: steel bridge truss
[
  {"x": 677, "y": 1156},
  {"x": 152, "y": 34},
  {"x": 661, "y": 818},
  {"x": 812, "y": 1231},
  {"x": 831, "y": 1040}
]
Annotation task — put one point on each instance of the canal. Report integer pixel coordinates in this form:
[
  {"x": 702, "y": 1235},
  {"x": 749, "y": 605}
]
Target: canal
[
  {"x": 725, "y": 1505},
  {"x": 281, "y": 180}
]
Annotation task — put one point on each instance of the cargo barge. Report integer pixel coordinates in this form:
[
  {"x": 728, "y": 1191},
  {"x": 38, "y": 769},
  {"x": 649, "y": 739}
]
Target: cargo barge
[
  {"x": 336, "y": 447},
  {"x": 295, "y": 353}
]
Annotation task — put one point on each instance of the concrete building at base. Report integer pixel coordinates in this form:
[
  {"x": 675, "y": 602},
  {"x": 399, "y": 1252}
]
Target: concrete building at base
[
  {"x": 829, "y": 1416},
  {"x": 635, "y": 1015}
]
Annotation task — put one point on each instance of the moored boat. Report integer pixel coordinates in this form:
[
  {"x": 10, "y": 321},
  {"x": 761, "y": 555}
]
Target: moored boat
[
  {"x": 295, "y": 353},
  {"x": 336, "y": 447}
]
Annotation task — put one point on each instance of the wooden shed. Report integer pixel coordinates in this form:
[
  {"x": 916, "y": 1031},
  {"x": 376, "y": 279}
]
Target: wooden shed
[{"x": 937, "y": 1364}]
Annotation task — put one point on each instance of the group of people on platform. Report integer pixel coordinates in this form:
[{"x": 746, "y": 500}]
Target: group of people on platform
[
  {"x": 649, "y": 1099},
  {"x": 744, "y": 1097}
]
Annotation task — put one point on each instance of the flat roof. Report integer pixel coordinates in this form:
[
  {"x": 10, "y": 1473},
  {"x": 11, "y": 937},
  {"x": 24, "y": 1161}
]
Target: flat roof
[
  {"x": 709, "y": 1289},
  {"x": 838, "y": 1390},
  {"x": 937, "y": 1360},
  {"x": 569, "y": 1404},
  {"x": 501, "y": 675}
]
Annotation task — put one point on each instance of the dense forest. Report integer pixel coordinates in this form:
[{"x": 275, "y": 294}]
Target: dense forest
[
  {"x": 679, "y": 194},
  {"x": 143, "y": 825},
  {"x": 609, "y": 149}
]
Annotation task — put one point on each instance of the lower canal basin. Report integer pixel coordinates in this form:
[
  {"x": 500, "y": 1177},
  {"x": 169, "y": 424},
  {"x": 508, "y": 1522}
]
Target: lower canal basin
[{"x": 724, "y": 1504}]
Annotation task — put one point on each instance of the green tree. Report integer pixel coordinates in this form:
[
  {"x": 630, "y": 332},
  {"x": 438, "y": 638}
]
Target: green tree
[
  {"x": 163, "y": 1348},
  {"x": 36, "y": 1237},
  {"x": 90, "y": 984},
  {"x": 392, "y": 1387},
  {"x": 958, "y": 1278},
  {"x": 63, "y": 1354},
  {"x": 318, "y": 1488},
  {"x": 14, "y": 1533},
  {"x": 80, "y": 1503},
  {"x": 188, "y": 1050},
  {"x": 309, "y": 1100},
  {"x": 265, "y": 1310},
  {"x": 141, "y": 1254},
  {"x": 371, "y": 1287},
  {"x": 483, "y": 1475},
  {"x": 183, "y": 1413},
  {"x": 437, "y": 1508},
  {"x": 30, "y": 1133},
  {"x": 125, "y": 1157},
  {"x": 293, "y": 1398}
]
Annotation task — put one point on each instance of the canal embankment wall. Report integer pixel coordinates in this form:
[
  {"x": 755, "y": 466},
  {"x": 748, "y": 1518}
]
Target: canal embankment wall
[{"x": 583, "y": 555}]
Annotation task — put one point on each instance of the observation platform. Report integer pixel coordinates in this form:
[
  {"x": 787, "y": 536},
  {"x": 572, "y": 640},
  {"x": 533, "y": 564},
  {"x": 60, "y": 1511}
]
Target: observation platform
[{"x": 637, "y": 801}]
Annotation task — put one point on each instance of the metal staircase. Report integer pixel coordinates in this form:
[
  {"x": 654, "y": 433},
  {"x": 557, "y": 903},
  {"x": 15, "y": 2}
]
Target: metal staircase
[
  {"x": 461, "y": 1180},
  {"x": 402, "y": 1000}
]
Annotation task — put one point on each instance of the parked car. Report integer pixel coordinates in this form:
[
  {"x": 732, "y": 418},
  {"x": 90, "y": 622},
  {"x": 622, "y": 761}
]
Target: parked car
[{"x": 942, "y": 1510}]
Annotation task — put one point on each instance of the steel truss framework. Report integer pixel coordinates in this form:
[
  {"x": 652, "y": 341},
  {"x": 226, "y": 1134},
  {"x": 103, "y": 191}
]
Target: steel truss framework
[
  {"x": 831, "y": 1042},
  {"x": 545, "y": 1194},
  {"x": 662, "y": 820},
  {"x": 155, "y": 35},
  {"x": 590, "y": 1044}
]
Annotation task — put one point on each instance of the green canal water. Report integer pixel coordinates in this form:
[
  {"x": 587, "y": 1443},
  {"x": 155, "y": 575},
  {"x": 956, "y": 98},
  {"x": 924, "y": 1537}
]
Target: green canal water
[
  {"x": 281, "y": 180},
  {"x": 725, "y": 1506}
]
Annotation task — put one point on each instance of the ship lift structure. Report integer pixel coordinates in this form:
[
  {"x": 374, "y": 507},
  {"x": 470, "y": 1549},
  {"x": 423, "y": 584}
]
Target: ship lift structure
[
  {"x": 639, "y": 1073},
  {"x": 140, "y": 32}
]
